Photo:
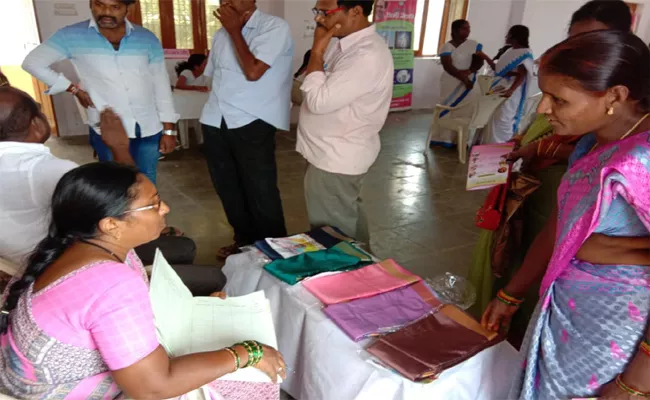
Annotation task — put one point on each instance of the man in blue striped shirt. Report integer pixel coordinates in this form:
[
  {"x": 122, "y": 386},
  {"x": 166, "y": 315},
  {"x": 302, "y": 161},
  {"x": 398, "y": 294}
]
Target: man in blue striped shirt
[{"x": 121, "y": 66}]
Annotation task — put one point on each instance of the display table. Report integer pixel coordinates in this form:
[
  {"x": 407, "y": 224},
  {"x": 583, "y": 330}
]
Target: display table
[
  {"x": 325, "y": 363},
  {"x": 189, "y": 104}
]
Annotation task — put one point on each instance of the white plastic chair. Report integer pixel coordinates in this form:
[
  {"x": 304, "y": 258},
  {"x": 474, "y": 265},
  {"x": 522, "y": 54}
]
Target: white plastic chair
[{"x": 484, "y": 106}]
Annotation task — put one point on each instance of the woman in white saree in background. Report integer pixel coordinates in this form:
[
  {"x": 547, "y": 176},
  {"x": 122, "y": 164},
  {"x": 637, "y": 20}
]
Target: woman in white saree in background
[
  {"x": 461, "y": 59},
  {"x": 514, "y": 77}
]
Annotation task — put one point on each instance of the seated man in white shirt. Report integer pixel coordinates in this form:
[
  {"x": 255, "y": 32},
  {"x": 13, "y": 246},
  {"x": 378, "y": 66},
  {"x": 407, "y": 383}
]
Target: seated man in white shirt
[
  {"x": 346, "y": 98},
  {"x": 29, "y": 174}
]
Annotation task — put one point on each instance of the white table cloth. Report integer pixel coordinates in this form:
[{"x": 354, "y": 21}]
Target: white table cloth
[
  {"x": 189, "y": 104},
  {"x": 325, "y": 364}
]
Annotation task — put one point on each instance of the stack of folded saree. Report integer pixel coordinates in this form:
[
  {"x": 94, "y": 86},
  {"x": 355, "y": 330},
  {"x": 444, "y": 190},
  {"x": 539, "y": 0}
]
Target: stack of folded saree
[
  {"x": 417, "y": 335},
  {"x": 423, "y": 350}
]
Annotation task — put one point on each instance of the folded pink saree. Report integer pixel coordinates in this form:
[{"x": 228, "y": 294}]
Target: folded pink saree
[{"x": 364, "y": 282}]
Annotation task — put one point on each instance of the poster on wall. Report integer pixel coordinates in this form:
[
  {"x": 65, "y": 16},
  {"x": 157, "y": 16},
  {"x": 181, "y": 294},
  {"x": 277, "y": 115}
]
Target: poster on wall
[{"x": 394, "y": 22}]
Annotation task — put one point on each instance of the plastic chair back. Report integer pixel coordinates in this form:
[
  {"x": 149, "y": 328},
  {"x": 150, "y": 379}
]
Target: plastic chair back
[
  {"x": 484, "y": 83},
  {"x": 486, "y": 105}
]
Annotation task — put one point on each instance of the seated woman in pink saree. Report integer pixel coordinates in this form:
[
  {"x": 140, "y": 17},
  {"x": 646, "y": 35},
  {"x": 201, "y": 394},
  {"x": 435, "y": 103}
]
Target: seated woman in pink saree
[
  {"x": 79, "y": 323},
  {"x": 589, "y": 335}
]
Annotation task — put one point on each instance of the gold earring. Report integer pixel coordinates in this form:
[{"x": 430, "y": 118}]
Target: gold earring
[{"x": 610, "y": 111}]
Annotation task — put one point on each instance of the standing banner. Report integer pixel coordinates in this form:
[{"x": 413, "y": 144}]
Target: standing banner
[{"x": 394, "y": 21}]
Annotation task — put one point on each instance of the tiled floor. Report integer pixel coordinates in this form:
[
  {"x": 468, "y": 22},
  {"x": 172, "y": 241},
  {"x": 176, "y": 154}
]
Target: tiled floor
[{"x": 419, "y": 211}]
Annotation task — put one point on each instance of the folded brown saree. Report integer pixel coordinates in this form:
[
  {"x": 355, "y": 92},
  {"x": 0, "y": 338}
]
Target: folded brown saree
[{"x": 425, "y": 349}]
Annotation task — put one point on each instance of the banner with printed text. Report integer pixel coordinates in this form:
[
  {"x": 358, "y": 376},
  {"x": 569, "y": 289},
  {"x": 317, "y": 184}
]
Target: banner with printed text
[{"x": 394, "y": 20}]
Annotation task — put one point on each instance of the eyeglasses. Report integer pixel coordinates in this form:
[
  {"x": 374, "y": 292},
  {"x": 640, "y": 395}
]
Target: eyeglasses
[
  {"x": 325, "y": 13},
  {"x": 155, "y": 206}
]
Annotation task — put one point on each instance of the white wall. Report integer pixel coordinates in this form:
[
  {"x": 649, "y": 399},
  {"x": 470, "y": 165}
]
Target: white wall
[
  {"x": 490, "y": 20},
  {"x": 548, "y": 21},
  {"x": 426, "y": 82},
  {"x": 17, "y": 23},
  {"x": 298, "y": 14}
]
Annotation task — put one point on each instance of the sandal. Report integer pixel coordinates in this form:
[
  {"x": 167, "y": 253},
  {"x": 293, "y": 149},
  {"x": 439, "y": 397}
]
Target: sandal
[
  {"x": 171, "y": 231},
  {"x": 229, "y": 250}
]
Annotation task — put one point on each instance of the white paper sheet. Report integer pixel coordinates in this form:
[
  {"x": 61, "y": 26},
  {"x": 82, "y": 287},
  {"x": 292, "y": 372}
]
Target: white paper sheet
[{"x": 187, "y": 324}]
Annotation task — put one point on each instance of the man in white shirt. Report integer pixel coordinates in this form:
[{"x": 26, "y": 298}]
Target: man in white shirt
[
  {"x": 250, "y": 66},
  {"x": 29, "y": 174},
  {"x": 346, "y": 98},
  {"x": 121, "y": 66}
]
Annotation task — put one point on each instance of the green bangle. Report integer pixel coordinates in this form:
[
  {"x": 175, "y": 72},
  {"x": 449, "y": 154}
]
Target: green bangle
[
  {"x": 258, "y": 352},
  {"x": 255, "y": 352},
  {"x": 504, "y": 301},
  {"x": 647, "y": 341},
  {"x": 251, "y": 354}
]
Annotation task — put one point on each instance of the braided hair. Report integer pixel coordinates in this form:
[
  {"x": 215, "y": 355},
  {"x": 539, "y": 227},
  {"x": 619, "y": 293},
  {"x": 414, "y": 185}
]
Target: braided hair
[{"x": 83, "y": 197}]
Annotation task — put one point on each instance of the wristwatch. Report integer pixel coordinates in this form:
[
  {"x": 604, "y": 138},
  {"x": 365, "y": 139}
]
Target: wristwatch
[{"x": 170, "y": 132}]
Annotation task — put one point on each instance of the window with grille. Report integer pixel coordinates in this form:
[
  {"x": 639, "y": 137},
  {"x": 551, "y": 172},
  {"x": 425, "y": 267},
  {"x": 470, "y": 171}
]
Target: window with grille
[
  {"x": 212, "y": 22},
  {"x": 150, "y": 14},
  {"x": 183, "y": 24}
]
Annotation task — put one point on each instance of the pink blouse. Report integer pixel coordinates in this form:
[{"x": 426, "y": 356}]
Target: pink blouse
[{"x": 66, "y": 338}]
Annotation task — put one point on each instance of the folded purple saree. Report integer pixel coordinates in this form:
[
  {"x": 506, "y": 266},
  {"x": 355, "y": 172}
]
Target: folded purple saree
[{"x": 380, "y": 314}]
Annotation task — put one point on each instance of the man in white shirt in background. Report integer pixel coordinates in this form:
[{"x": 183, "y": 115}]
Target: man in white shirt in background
[
  {"x": 250, "y": 66},
  {"x": 346, "y": 98},
  {"x": 121, "y": 66}
]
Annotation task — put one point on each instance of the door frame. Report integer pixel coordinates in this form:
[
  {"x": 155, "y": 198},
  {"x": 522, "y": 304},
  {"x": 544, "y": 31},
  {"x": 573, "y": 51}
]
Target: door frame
[{"x": 47, "y": 106}]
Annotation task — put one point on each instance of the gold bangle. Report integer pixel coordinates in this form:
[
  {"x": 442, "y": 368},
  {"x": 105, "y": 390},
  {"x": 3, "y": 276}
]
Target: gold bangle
[
  {"x": 235, "y": 356},
  {"x": 626, "y": 388}
]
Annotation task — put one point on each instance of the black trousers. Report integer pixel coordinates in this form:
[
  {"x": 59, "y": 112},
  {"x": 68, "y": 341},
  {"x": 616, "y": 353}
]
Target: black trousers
[
  {"x": 244, "y": 173},
  {"x": 179, "y": 251},
  {"x": 201, "y": 280}
]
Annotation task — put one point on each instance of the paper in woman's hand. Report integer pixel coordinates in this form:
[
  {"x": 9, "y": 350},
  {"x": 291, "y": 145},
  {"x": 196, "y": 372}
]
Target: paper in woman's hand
[{"x": 187, "y": 324}]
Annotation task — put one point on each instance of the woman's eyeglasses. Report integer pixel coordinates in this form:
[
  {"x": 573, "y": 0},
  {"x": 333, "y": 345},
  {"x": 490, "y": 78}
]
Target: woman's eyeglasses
[
  {"x": 325, "y": 13},
  {"x": 155, "y": 206}
]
